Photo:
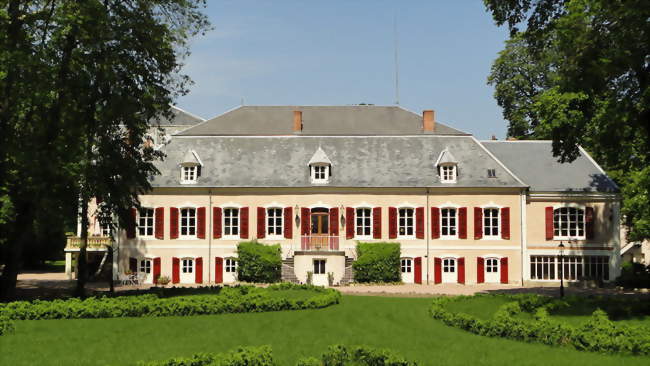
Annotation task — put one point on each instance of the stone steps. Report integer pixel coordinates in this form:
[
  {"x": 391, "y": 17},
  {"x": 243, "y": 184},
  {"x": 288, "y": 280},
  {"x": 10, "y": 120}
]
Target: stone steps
[
  {"x": 348, "y": 276},
  {"x": 288, "y": 273}
]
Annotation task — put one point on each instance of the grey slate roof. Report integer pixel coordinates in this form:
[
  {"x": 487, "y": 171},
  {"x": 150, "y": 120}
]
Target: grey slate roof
[
  {"x": 317, "y": 121},
  {"x": 191, "y": 158},
  {"x": 533, "y": 162},
  {"x": 368, "y": 161},
  {"x": 446, "y": 157},
  {"x": 181, "y": 118}
]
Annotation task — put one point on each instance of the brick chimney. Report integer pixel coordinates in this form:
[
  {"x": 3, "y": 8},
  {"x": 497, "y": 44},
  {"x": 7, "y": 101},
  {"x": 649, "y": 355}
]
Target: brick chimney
[
  {"x": 297, "y": 121},
  {"x": 428, "y": 121}
]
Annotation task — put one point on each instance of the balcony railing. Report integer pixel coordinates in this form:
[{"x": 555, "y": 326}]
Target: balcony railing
[
  {"x": 319, "y": 242},
  {"x": 94, "y": 242}
]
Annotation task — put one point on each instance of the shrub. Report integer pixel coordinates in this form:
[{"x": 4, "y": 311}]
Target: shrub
[
  {"x": 634, "y": 275},
  {"x": 259, "y": 263},
  {"x": 599, "y": 334},
  {"x": 6, "y": 325},
  {"x": 377, "y": 262},
  {"x": 339, "y": 355},
  {"x": 245, "y": 356},
  {"x": 240, "y": 299}
]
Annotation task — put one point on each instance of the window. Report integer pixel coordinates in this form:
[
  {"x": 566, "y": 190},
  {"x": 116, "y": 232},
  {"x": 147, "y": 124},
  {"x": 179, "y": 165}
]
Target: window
[
  {"x": 274, "y": 221},
  {"x": 187, "y": 266},
  {"x": 405, "y": 221},
  {"x": 491, "y": 173},
  {"x": 145, "y": 222},
  {"x": 569, "y": 222},
  {"x": 105, "y": 229},
  {"x": 491, "y": 222},
  {"x": 406, "y": 265},
  {"x": 449, "y": 265},
  {"x": 231, "y": 265},
  {"x": 145, "y": 266},
  {"x": 492, "y": 265},
  {"x": 189, "y": 174},
  {"x": 188, "y": 222},
  {"x": 320, "y": 173},
  {"x": 448, "y": 173},
  {"x": 319, "y": 266},
  {"x": 231, "y": 222},
  {"x": 570, "y": 267},
  {"x": 448, "y": 222},
  {"x": 363, "y": 222}
]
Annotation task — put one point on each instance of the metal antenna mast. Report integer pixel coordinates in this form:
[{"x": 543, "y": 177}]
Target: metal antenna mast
[{"x": 396, "y": 59}]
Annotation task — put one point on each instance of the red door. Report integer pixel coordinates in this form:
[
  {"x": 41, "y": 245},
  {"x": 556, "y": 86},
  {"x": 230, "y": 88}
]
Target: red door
[
  {"x": 418, "y": 270},
  {"x": 218, "y": 270}
]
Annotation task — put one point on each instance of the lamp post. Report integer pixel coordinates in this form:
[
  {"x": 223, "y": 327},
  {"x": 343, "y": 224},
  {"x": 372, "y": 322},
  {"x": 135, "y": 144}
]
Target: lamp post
[{"x": 561, "y": 246}]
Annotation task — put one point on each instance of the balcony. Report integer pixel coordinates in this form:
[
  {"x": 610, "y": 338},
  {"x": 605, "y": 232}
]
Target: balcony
[
  {"x": 319, "y": 243},
  {"x": 94, "y": 242}
]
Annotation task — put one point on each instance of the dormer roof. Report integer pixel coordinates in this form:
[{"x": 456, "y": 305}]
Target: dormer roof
[
  {"x": 446, "y": 157},
  {"x": 319, "y": 157},
  {"x": 191, "y": 157}
]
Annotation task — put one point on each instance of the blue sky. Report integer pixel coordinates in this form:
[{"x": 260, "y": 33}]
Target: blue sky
[{"x": 290, "y": 52}]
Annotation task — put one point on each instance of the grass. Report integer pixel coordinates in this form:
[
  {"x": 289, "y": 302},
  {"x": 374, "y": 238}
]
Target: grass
[
  {"x": 401, "y": 324},
  {"x": 579, "y": 313},
  {"x": 482, "y": 307}
]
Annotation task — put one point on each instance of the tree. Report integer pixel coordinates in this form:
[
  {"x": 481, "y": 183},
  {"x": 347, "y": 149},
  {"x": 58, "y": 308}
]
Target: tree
[
  {"x": 578, "y": 73},
  {"x": 82, "y": 81}
]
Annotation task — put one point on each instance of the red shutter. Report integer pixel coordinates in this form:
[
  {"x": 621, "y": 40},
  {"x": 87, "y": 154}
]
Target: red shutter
[
  {"x": 349, "y": 222},
  {"x": 504, "y": 270},
  {"x": 505, "y": 223},
  {"x": 159, "y": 217},
  {"x": 435, "y": 223},
  {"x": 437, "y": 270},
  {"x": 198, "y": 270},
  {"x": 243, "y": 223},
  {"x": 417, "y": 273},
  {"x": 218, "y": 270},
  {"x": 461, "y": 270},
  {"x": 478, "y": 223},
  {"x": 305, "y": 221},
  {"x": 173, "y": 223},
  {"x": 288, "y": 223},
  {"x": 549, "y": 223},
  {"x": 200, "y": 223},
  {"x": 156, "y": 270},
  {"x": 419, "y": 223},
  {"x": 133, "y": 265},
  {"x": 130, "y": 225},
  {"x": 376, "y": 223},
  {"x": 392, "y": 222},
  {"x": 462, "y": 223},
  {"x": 334, "y": 221},
  {"x": 589, "y": 222},
  {"x": 216, "y": 222},
  {"x": 176, "y": 271},
  {"x": 480, "y": 270},
  {"x": 261, "y": 222}
]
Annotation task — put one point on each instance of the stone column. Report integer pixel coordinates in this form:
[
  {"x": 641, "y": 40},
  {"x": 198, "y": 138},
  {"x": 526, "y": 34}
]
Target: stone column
[{"x": 68, "y": 265}]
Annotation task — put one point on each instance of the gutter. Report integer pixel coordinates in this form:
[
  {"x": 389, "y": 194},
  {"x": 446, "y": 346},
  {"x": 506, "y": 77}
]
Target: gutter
[
  {"x": 426, "y": 230},
  {"x": 523, "y": 233},
  {"x": 210, "y": 237}
]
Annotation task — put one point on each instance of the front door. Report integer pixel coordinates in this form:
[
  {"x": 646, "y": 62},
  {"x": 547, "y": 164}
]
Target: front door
[
  {"x": 449, "y": 270},
  {"x": 144, "y": 272},
  {"x": 492, "y": 270},
  {"x": 407, "y": 270},
  {"x": 319, "y": 228},
  {"x": 320, "y": 272}
]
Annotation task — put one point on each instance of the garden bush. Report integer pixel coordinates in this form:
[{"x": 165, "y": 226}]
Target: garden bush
[
  {"x": 599, "y": 334},
  {"x": 6, "y": 325},
  {"x": 337, "y": 355},
  {"x": 634, "y": 275},
  {"x": 377, "y": 262},
  {"x": 239, "y": 299},
  {"x": 259, "y": 263}
]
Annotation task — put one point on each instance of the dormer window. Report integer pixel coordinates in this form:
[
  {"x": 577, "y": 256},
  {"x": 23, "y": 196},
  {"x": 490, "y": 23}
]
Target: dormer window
[
  {"x": 190, "y": 168},
  {"x": 447, "y": 167},
  {"x": 320, "y": 168}
]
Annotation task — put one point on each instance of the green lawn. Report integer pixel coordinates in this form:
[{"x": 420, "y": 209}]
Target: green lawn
[
  {"x": 482, "y": 307},
  {"x": 579, "y": 313},
  {"x": 401, "y": 324}
]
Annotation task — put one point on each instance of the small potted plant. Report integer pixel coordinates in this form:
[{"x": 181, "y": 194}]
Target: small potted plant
[
  {"x": 310, "y": 277},
  {"x": 330, "y": 278},
  {"x": 163, "y": 281}
]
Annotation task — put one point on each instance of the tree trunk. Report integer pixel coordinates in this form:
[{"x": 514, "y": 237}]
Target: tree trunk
[
  {"x": 18, "y": 239},
  {"x": 82, "y": 261}
]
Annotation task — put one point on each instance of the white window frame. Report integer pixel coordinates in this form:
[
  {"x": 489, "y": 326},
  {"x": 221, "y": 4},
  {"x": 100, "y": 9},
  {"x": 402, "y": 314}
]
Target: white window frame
[
  {"x": 187, "y": 264},
  {"x": 320, "y": 173},
  {"x": 230, "y": 265},
  {"x": 189, "y": 173},
  {"x": 406, "y": 225},
  {"x": 406, "y": 265},
  {"x": 274, "y": 225},
  {"x": 556, "y": 223},
  {"x": 455, "y": 227},
  {"x": 180, "y": 223},
  {"x": 145, "y": 265},
  {"x": 146, "y": 226},
  {"x": 498, "y": 226},
  {"x": 448, "y": 173},
  {"x": 493, "y": 266},
  {"x": 324, "y": 267},
  {"x": 224, "y": 227},
  {"x": 106, "y": 230},
  {"x": 363, "y": 226},
  {"x": 578, "y": 266}
]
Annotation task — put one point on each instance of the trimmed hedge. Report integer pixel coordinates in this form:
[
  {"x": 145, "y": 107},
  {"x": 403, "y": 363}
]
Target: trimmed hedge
[
  {"x": 377, "y": 262},
  {"x": 337, "y": 355},
  {"x": 6, "y": 325},
  {"x": 259, "y": 263},
  {"x": 599, "y": 334},
  {"x": 240, "y": 299}
]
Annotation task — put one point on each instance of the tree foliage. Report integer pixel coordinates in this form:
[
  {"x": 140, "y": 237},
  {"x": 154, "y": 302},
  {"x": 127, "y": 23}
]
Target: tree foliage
[{"x": 578, "y": 72}]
